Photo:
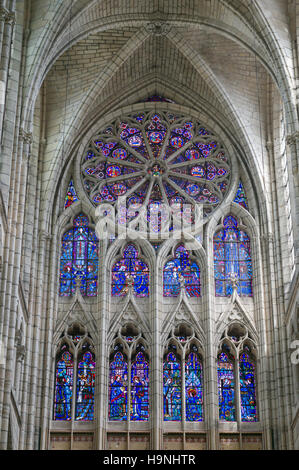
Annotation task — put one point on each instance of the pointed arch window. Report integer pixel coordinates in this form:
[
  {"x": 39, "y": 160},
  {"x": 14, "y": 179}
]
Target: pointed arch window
[
  {"x": 172, "y": 387},
  {"x": 232, "y": 259},
  {"x": 85, "y": 387},
  {"x": 64, "y": 385},
  {"x": 183, "y": 384},
  {"x": 129, "y": 384},
  {"x": 118, "y": 387},
  {"x": 237, "y": 382},
  {"x": 194, "y": 387},
  {"x": 130, "y": 268},
  {"x": 74, "y": 398},
  {"x": 140, "y": 388},
  {"x": 181, "y": 268},
  {"x": 247, "y": 386},
  {"x": 226, "y": 387},
  {"x": 79, "y": 259}
]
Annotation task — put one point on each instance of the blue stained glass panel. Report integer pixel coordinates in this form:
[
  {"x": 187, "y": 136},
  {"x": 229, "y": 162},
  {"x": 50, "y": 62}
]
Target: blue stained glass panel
[
  {"x": 179, "y": 267},
  {"x": 118, "y": 388},
  {"x": 193, "y": 388},
  {"x": 172, "y": 388},
  {"x": 226, "y": 387},
  {"x": 79, "y": 259},
  {"x": 71, "y": 195},
  {"x": 130, "y": 266},
  {"x": 64, "y": 387},
  {"x": 241, "y": 196},
  {"x": 140, "y": 388},
  {"x": 85, "y": 388},
  {"x": 232, "y": 257},
  {"x": 247, "y": 388}
]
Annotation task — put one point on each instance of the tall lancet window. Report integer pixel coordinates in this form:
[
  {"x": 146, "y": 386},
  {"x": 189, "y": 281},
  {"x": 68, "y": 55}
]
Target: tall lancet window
[
  {"x": 247, "y": 386},
  {"x": 129, "y": 377},
  {"x": 172, "y": 387},
  {"x": 75, "y": 377},
  {"x": 232, "y": 259},
  {"x": 181, "y": 270},
  {"x": 226, "y": 386},
  {"x": 183, "y": 377},
  {"x": 79, "y": 259},
  {"x": 237, "y": 388},
  {"x": 130, "y": 268},
  {"x": 64, "y": 385}
]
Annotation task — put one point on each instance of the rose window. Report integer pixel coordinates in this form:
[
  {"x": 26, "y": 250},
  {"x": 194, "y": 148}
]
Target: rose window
[{"x": 156, "y": 161}]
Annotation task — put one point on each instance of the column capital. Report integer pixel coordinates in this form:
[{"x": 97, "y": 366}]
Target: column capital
[
  {"x": 27, "y": 137},
  {"x": 7, "y": 16}
]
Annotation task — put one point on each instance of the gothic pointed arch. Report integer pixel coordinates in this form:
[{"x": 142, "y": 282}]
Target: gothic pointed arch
[{"x": 79, "y": 259}]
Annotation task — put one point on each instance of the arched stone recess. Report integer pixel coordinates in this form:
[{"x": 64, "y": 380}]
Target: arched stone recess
[
  {"x": 264, "y": 40},
  {"x": 249, "y": 225},
  {"x": 252, "y": 308},
  {"x": 74, "y": 137},
  {"x": 62, "y": 305},
  {"x": 69, "y": 404},
  {"x": 183, "y": 339},
  {"x": 129, "y": 342},
  {"x": 238, "y": 339}
]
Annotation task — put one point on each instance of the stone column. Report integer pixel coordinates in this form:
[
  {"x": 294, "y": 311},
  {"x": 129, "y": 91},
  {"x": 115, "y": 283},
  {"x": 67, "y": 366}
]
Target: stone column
[
  {"x": 7, "y": 22},
  {"x": 11, "y": 274}
]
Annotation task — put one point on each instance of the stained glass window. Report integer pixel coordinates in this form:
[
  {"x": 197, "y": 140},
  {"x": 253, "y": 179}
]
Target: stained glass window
[
  {"x": 71, "y": 195},
  {"x": 64, "y": 386},
  {"x": 85, "y": 388},
  {"x": 232, "y": 258},
  {"x": 226, "y": 387},
  {"x": 158, "y": 160},
  {"x": 241, "y": 196},
  {"x": 140, "y": 388},
  {"x": 130, "y": 267},
  {"x": 79, "y": 259},
  {"x": 118, "y": 388},
  {"x": 193, "y": 388},
  {"x": 178, "y": 269},
  {"x": 172, "y": 388},
  {"x": 247, "y": 387}
]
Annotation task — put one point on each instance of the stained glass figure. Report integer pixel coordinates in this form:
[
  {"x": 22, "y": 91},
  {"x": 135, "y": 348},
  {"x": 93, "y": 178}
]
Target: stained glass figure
[
  {"x": 172, "y": 388},
  {"x": 226, "y": 387},
  {"x": 85, "y": 388},
  {"x": 64, "y": 386},
  {"x": 193, "y": 388},
  {"x": 130, "y": 267},
  {"x": 79, "y": 259},
  {"x": 118, "y": 388},
  {"x": 241, "y": 196},
  {"x": 140, "y": 388},
  {"x": 71, "y": 195},
  {"x": 247, "y": 388},
  {"x": 179, "y": 269},
  {"x": 232, "y": 259}
]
